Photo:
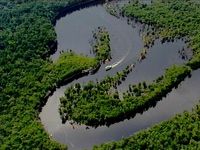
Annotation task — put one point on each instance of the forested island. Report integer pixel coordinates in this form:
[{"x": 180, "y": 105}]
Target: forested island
[{"x": 28, "y": 76}]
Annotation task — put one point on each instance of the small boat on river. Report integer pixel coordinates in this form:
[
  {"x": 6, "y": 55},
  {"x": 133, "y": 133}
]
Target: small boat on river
[{"x": 108, "y": 67}]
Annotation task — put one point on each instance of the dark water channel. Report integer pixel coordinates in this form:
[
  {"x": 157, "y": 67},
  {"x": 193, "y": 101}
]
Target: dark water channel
[{"x": 74, "y": 31}]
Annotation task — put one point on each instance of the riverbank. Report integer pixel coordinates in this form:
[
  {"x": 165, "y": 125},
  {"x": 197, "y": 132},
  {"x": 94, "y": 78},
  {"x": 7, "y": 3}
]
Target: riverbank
[
  {"x": 93, "y": 104},
  {"x": 67, "y": 68},
  {"x": 167, "y": 29},
  {"x": 75, "y": 5},
  {"x": 180, "y": 132}
]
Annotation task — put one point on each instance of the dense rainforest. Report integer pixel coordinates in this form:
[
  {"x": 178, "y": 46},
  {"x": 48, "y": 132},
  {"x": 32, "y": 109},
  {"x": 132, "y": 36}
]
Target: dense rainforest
[
  {"x": 27, "y": 75},
  {"x": 27, "y": 38}
]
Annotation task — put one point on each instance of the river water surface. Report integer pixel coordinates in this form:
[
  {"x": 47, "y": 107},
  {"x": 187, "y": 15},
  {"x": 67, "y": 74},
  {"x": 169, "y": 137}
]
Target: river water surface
[{"x": 74, "y": 31}]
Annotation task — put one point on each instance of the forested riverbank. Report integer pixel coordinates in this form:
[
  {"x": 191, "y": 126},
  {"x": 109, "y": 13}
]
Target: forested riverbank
[
  {"x": 98, "y": 103},
  {"x": 27, "y": 37},
  {"x": 180, "y": 132},
  {"x": 172, "y": 19}
]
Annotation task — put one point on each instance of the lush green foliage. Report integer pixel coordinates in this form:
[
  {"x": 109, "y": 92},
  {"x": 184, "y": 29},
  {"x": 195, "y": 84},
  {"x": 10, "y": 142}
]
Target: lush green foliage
[
  {"x": 26, "y": 75},
  {"x": 101, "y": 45},
  {"x": 70, "y": 64},
  {"x": 172, "y": 19},
  {"x": 181, "y": 132},
  {"x": 95, "y": 104}
]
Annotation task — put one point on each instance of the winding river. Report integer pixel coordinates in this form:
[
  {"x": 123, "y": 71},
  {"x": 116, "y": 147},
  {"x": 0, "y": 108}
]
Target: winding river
[{"x": 74, "y": 31}]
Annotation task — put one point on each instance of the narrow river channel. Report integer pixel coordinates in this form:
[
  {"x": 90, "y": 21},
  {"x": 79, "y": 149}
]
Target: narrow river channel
[{"x": 74, "y": 31}]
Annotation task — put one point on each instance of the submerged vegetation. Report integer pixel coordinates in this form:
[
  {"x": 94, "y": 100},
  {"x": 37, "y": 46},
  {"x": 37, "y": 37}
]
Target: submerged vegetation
[
  {"x": 112, "y": 8},
  {"x": 170, "y": 19},
  {"x": 98, "y": 103},
  {"x": 101, "y": 44},
  {"x": 180, "y": 132}
]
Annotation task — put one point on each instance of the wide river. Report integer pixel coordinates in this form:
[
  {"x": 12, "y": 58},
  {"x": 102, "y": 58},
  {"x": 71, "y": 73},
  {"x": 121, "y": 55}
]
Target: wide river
[{"x": 74, "y": 31}]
